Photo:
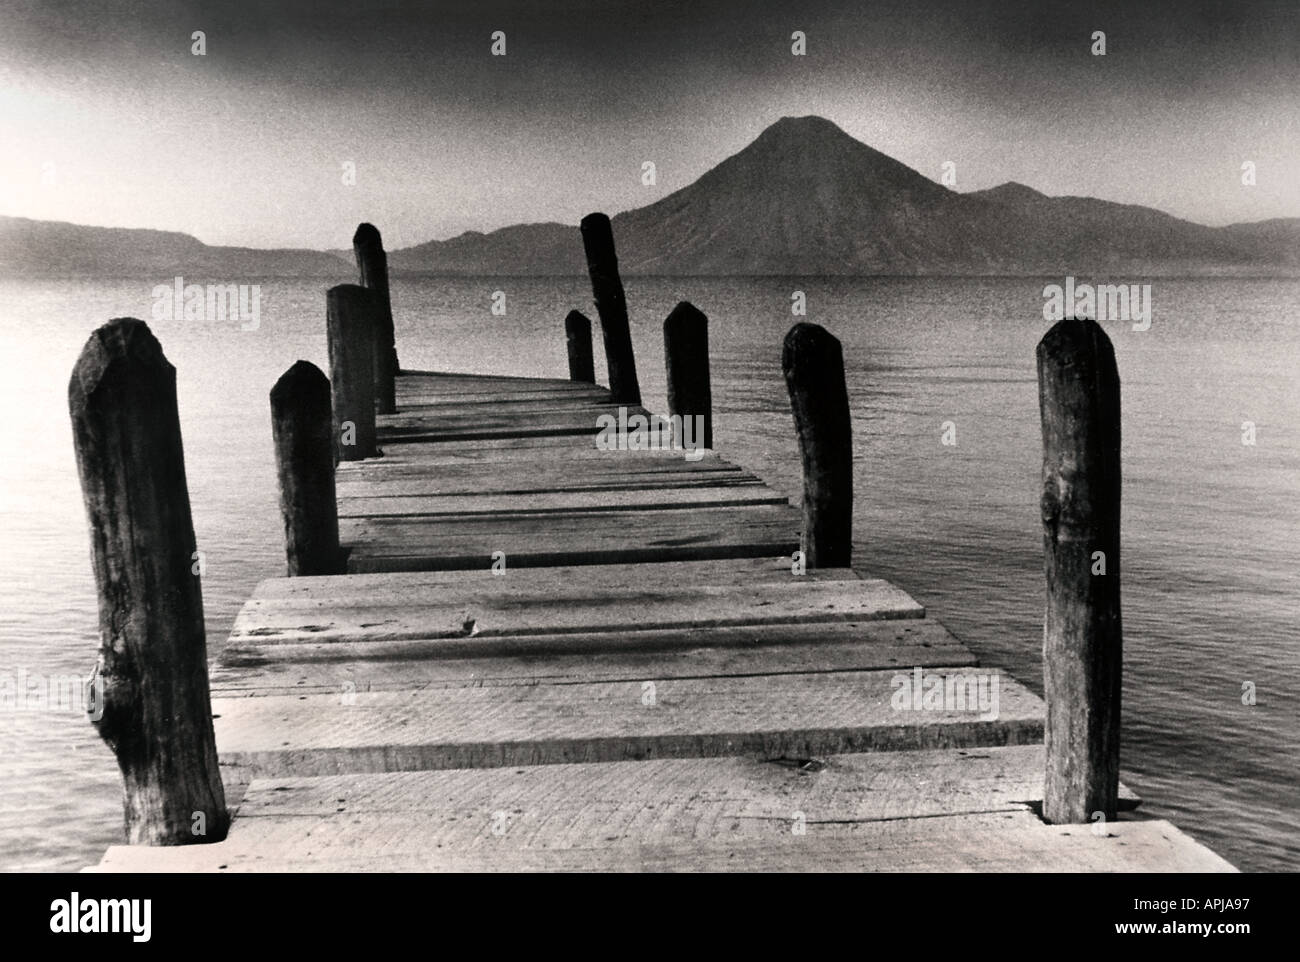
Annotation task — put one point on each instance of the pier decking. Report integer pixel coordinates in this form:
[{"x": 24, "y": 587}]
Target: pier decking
[{"x": 643, "y": 683}]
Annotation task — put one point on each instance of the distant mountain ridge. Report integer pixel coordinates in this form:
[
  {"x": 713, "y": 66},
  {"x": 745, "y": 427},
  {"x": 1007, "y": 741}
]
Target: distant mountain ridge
[
  {"x": 39, "y": 248},
  {"x": 806, "y": 198},
  {"x": 803, "y": 198}
]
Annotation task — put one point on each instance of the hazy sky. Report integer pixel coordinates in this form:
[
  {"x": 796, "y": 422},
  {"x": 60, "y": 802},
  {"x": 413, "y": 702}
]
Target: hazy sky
[{"x": 106, "y": 117}]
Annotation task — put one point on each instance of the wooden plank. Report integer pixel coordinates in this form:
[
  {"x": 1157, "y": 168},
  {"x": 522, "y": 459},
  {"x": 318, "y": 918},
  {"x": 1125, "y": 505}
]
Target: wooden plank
[
  {"x": 397, "y": 544},
  {"x": 396, "y": 586},
  {"x": 1013, "y": 842},
  {"x": 888, "y": 641},
  {"x": 460, "y": 380},
  {"x": 497, "y": 408},
  {"x": 467, "y": 468},
  {"x": 454, "y": 450},
  {"x": 497, "y": 608},
  {"x": 568, "y": 806},
  {"x": 505, "y": 414},
  {"x": 685, "y": 526},
  {"x": 482, "y": 480},
  {"x": 794, "y": 715},
  {"x": 880, "y": 806},
  {"x": 562, "y": 806},
  {"x": 547, "y": 502},
  {"x": 437, "y": 392},
  {"x": 413, "y": 399},
  {"x": 337, "y": 667},
  {"x": 548, "y": 426}
]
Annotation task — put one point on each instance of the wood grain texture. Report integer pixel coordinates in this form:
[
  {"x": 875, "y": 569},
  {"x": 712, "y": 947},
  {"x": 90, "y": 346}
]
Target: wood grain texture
[
  {"x": 794, "y": 715},
  {"x": 458, "y": 397},
  {"x": 253, "y": 670},
  {"x": 949, "y": 810},
  {"x": 605, "y": 537},
  {"x": 465, "y": 470},
  {"x": 552, "y": 502},
  {"x": 503, "y": 413},
  {"x": 150, "y": 700},
  {"x": 1078, "y": 387},
  {"x": 497, "y": 607},
  {"x": 879, "y": 643},
  {"x": 502, "y": 449},
  {"x": 486, "y": 481},
  {"x": 1003, "y": 842},
  {"x": 395, "y": 586}
]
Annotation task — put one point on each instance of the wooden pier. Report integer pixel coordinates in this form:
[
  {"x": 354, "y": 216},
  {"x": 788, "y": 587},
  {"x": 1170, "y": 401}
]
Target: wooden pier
[{"x": 544, "y": 655}]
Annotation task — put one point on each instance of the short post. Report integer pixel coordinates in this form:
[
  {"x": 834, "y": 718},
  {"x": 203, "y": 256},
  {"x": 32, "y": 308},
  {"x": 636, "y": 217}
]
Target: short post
[
  {"x": 577, "y": 333},
  {"x": 350, "y": 316},
  {"x": 813, "y": 363},
  {"x": 686, "y": 357},
  {"x": 1078, "y": 394},
  {"x": 152, "y": 704},
  {"x": 302, "y": 425},
  {"x": 372, "y": 266},
  {"x": 611, "y": 305}
]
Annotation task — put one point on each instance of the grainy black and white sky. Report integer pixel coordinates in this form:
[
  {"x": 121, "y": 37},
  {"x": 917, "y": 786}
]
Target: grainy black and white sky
[{"x": 109, "y": 119}]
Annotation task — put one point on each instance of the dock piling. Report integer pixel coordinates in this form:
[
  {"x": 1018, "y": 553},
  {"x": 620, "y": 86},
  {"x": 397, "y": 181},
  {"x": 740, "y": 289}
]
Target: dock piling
[
  {"x": 611, "y": 305},
  {"x": 813, "y": 363},
  {"x": 1078, "y": 390},
  {"x": 152, "y": 686},
  {"x": 302, "y": 424},
  {"x": 372, "y": 266},
  {"x": 351, "y": 313},
  {"x": 577, "y": 335},
  {"x": 686, "y": 357}
]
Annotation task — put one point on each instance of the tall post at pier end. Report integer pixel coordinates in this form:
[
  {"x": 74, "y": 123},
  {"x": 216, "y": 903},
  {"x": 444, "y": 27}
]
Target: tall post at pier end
[
  {"x": 611, "y": 305},
  {"x": 1078, "y": 393},
  {"x": 302, "y": 425},
  {"x": 372, "y": 266},
  {"x": 813, "y": 363},
  {"x": 351, "y": 314},
  {"x": 149, "y": 697},
  {"x": 686, "y": 357}
]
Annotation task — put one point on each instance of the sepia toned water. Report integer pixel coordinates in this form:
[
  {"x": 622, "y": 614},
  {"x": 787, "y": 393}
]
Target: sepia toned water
[{"x": 1211, "y": 588}]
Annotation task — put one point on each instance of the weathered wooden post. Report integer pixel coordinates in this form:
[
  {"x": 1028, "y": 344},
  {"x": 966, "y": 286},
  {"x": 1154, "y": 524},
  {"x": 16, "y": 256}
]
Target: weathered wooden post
[
  {"x": 607, "y": 289},
  {"x": 1078, "y": 394},
  {"x": 302, "y": 425},
  {"x": 813, "y": 363},
  {"x": 350, "y": 314},
  {"x": 153, "y": 665},
  {"x": 372, "y": 266},
  {"x": 686, "y": 356},
  {"x": 577, "y": 334}
]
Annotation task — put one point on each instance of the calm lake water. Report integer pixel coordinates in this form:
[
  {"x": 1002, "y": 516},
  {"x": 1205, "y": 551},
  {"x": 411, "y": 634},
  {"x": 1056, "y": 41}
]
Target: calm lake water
[{"x": 1211, "y": 556}]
